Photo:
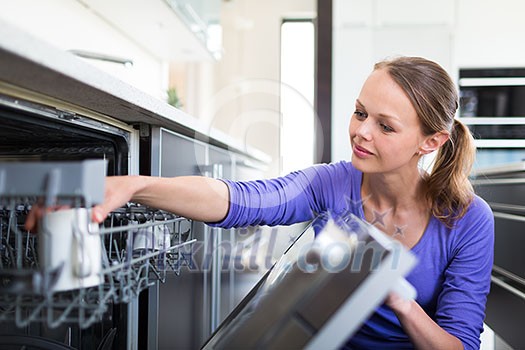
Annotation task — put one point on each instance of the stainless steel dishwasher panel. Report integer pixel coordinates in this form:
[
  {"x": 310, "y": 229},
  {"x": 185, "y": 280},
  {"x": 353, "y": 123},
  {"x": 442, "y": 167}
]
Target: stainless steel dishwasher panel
[
  {"x": 184, "y": 302},
  {"x": 222, "y": 243}
]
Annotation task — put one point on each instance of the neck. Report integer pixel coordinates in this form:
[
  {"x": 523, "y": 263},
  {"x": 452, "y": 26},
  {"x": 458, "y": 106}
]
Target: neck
[{"x": 393, "y": 191}]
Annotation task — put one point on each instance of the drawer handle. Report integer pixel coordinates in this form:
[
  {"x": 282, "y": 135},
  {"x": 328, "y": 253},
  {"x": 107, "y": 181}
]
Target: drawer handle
[
  {"x": 508, "y": 287},
  {"x": 508, "y": 181},
  {"x": 514, "y": 217},
  {"x": 506, "y": 207}
]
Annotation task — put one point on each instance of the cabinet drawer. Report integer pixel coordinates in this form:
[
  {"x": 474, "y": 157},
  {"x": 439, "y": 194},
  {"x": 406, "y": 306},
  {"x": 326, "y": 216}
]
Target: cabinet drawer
[
  {"x": 509, "y": 244},
  {"x": 506, "y": 313},
  {"x": 510, "y": 191}
]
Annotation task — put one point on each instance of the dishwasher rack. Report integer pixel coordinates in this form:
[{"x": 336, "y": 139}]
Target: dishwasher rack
[
  {"x": 134, "y": 247},
  {"x": 26, "y": 289}
]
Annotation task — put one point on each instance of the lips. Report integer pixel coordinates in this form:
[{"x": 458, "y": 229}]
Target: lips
[{"x": 361, "y": 151}]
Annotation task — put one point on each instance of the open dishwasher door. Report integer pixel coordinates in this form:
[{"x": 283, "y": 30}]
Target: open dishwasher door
[{"x": 317, "y": 296}]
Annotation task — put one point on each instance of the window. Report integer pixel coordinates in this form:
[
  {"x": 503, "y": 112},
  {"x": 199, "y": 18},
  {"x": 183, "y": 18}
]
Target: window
[{"x": 297, "y": 94}]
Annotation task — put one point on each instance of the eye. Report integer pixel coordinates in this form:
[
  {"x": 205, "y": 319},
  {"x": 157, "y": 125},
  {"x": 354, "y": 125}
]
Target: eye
[
  {"x": 360, "y": 115},
  {"x": 385, "y": 128}
]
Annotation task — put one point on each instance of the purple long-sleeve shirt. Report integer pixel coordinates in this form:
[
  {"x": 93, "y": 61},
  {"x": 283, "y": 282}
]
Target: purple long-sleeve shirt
[{"x": 452, "y": 277}]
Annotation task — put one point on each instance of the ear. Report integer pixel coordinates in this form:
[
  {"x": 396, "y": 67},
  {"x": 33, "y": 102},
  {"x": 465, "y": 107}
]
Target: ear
[{"x": 433, "y": 142}]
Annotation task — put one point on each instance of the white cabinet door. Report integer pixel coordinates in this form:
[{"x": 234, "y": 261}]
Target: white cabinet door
[{"x": 403, "y": 12}]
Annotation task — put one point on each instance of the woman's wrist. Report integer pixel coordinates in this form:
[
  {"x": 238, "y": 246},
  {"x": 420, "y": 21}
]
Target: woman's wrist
[
  {"x": 136, "y": 185},
  {"x": 401, "y": 307}
]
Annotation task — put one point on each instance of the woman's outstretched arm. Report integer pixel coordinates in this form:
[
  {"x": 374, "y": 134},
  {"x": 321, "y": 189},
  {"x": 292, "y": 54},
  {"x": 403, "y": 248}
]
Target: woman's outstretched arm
[{"x": 195, "y": 197}]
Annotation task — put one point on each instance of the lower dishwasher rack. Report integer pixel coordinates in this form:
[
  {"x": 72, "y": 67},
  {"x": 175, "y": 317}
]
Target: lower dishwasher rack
[{"x": 136, "y": 246}]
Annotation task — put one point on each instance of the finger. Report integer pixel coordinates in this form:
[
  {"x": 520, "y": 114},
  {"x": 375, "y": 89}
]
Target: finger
[
  {"x": 32, "y": 218},
  {"x": 99, "y": 213}
]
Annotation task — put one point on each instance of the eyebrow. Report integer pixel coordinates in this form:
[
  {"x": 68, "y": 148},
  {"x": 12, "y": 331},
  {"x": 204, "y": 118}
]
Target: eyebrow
[{"x": 382, "y": 115}]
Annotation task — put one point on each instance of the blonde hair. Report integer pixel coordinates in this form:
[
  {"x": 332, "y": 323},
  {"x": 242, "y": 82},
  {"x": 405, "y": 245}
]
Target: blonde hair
[{"x": 435, "y": 99}]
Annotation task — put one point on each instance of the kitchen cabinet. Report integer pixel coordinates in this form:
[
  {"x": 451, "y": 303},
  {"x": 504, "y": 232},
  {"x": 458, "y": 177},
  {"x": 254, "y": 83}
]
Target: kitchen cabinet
[
  {"x": 364, "y": 13},
  {"x": 503, "y": 187},
  {"x": 169, "y": 29},
  {"x": 477, "y": 43},
  {"x": 456, "y": 34},
  {"x": 204, "y": 294},
  {"x": 207, "y": 293},
  {"x": 425, "y": 12},
  {"x": 186, "y": 295},
  {"x": 222, "y": 283}
]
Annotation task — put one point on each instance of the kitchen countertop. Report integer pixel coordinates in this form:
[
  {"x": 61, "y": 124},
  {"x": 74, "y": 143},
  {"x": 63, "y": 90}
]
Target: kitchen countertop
[{"x": 34, "y": 65}]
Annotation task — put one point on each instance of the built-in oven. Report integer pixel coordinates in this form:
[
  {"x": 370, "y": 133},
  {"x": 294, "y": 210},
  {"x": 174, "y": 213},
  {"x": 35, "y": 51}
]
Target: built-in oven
[
  {"x": 492, "y": 104},
  {"x": 74, "y": 285}
]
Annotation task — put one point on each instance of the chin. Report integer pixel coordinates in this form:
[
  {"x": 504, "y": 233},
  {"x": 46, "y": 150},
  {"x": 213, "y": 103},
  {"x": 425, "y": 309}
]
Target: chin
[
  {"x": 365, "y": 166},
  {"x": 360, "y": 164}
]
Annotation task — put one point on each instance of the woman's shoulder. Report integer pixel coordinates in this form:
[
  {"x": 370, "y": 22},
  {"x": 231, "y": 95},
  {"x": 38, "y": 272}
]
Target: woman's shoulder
[
  {"x": 340, "y": 167},
  {"x": 332, "y": 182},
  {"x": 479, "y": 209},
  {"x": 477, "y": 223},
  {"x": 341, "y": 172}
]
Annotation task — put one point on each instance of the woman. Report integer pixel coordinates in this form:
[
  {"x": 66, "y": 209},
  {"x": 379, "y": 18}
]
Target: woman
[{"x": 405, "y": 110}]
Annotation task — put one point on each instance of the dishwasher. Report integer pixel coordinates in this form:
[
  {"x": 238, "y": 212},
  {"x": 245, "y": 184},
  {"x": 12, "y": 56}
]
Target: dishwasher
[{"x": 74, "y": 284}]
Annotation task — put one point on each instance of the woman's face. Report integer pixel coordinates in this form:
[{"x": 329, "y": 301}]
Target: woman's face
[{"x": 385, "y": 132}]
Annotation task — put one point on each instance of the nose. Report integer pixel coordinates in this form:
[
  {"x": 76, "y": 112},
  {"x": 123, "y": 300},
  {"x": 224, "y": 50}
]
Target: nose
[{"x": 363, "y": 129}]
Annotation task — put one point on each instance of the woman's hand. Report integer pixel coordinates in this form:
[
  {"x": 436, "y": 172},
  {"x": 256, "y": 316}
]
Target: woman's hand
[
  {"x": 423, "y": 332},
  {"x": 398, "y": 304},
  {"x": 194, "y": 197},
  {"x": 118, "y": 191}
]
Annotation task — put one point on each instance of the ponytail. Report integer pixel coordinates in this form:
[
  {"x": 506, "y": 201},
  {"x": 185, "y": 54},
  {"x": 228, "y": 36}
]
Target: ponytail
[
  {"x": 448, "y": 186},
  {"x": 434, "y": 97}
]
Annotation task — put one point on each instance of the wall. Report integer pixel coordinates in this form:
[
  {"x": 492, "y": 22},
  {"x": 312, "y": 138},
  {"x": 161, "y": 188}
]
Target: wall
[
  {"x": 455, "y": 33},
  {"x": 241, "y": 97}
]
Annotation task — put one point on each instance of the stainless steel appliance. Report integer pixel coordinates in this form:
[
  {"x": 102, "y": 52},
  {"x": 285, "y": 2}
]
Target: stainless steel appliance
[
  {"x": 62, "y": 157},
  {"x": 42, "y": 133},
  {"x": 503, "y": 187},
  {"x": 492, "y": 104}
]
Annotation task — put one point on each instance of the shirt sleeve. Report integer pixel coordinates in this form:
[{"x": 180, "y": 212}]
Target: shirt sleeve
[
  {"x": 294, "y": 198},
  {"x": 461, "y": 303}
]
